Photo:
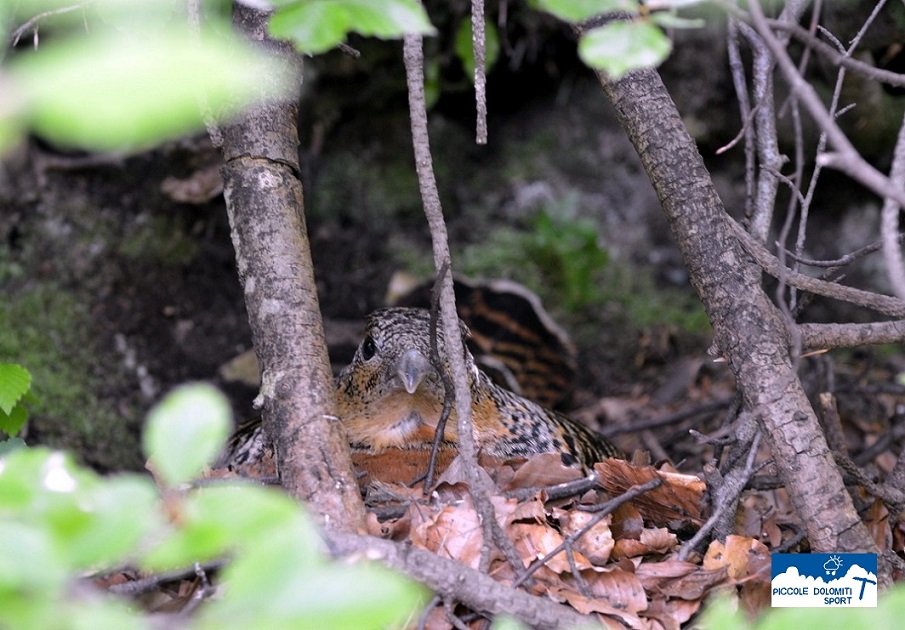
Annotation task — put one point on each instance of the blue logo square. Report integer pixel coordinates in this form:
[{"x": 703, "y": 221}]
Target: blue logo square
[{"x": 821, "y": 580}]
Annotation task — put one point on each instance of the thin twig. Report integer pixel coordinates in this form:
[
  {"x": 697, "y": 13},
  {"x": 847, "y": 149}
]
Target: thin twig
[
  {"x": 881, "y": 303},
  {"x": 844, "y": 261},
  {"x": 846, "y": 159},
  {"x": 889, "y": 224},
  {"x": 605, "y": 510},
  {"x": 449, "y": 394},
  {"x": 838, "y": 58},
  {"x": 32, "y": 23},
  {"x": 454, "y": 346},
  {"x": 152, "y": 582},
  {"x": 449, "y": 609},
  {"x": 766, "y": 139},
  {"x": 740, "y": 85},
  {"x": 727, "y": 497},
  {"x": 425, "y": 613},
  {"x": 478, "y": 42},
  {"x": 559, "y": 491}
]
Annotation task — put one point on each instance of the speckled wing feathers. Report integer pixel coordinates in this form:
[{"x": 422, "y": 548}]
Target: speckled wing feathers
[{"x": 391, "y": 396}]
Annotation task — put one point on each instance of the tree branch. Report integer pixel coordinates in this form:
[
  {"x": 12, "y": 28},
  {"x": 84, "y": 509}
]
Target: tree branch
[
  {"x": 892, "y": 253},
  {"x": 748, "y": 330},
  {"x": 476, "y": 590},
  {"x": 454, "y": 350},
  {"x": 837, "y": 58},
  {"x": 768, "y": 262},
  {"x": 263, "y": 193},
  {"x": 815, "y": 336},
  {"x": 479, "y": 45},
  {"x": 847, "y": 159}
]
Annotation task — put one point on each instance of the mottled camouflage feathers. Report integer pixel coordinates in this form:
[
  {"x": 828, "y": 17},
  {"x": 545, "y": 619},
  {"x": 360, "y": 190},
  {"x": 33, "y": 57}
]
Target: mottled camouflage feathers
[{"x": 390, "y": 399}]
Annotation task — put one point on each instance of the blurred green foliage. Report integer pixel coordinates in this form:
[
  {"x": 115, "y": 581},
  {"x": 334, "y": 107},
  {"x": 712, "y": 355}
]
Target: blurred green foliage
[
  {"x": 723, "y": 614},
  {"x": 121, "y": 74},
  {"x": 61, "y": 523}
]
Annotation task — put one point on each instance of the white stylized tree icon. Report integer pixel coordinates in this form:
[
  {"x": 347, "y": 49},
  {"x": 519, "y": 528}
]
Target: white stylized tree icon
[{"x": 832, "y": 565}]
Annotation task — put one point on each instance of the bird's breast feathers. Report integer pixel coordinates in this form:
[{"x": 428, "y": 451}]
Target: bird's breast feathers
[{"x": 400, "y": 421}]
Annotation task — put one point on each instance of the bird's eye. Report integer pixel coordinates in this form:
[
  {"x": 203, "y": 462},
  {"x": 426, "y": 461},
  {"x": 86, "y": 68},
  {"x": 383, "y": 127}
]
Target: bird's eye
[{"x": 368, "y": 348}]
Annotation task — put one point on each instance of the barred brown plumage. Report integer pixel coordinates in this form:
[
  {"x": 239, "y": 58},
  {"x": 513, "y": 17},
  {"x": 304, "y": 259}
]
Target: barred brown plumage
[{"x": 390, "y": 399}]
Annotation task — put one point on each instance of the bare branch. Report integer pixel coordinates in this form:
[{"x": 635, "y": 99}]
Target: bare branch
[
  {"x": 889, "y": 224},
  {"x": 601, "y": 512},
  {"x": 740, "y": 84},
  {"x": 32, "y": 23},
  {"x": 479, "y": 45},
  {"x": 851, "y": 335},
  {"x": 273, "y": 255},
  {"x": 747, "y": 329},
  {"x": 847, "y": 160},
  {"x": 728, "y": 493},
  {"x": 478, "y": 591},
  {"x": 839, "y": 59},
  {"x": 766, "y": 141},
  {"x": 881, "y": 303},
  {"x": 844, "y": 260},
  {"x": 414, "y": 72}
]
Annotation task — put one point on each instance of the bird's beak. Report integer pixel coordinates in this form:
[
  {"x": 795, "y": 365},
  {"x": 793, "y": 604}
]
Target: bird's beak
[{"x": 412, "y": 368}]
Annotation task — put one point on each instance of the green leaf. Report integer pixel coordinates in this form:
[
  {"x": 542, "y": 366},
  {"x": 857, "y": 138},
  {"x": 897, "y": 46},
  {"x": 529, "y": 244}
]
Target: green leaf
[
  {"x": 620, "y": 47},
  {"x": 266, "y": 589},
  {"x": 722, "y": 614},
  {"x": 315, "y": 26},
  {"x": 29, "y": 560},
  {"x": 580, "y": 10},
  {"x": 121, "y": 91},
  {"x": 90, "y": 521},
  {"x": 122, "y": 511},
  {"x": 229, "y": 520},
  {"x": 465, "y": 46},
  {"x": 15, "y": 380},
  {"x": 186, "y": 431},
  {"x": 10, "y": 423}
]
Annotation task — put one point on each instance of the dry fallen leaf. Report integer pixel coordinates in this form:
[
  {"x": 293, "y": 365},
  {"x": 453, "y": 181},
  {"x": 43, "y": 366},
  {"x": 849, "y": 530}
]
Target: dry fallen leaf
[
  {"x": 596, "y": 543},
  {"x": 675, "y": 578},
  {"x": 622, "y": 589},
  {"x": 537, "y": 541},
  {"x": 453, "y": 532},
  {"x": 678, "y": 498},
  {"x": 538, "y": 471},
  {"x": 740, "y": 555}
]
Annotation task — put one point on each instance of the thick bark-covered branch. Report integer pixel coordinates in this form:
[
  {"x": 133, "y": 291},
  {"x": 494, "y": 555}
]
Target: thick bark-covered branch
[
  {"x": 818, "y": 336},
  {"x": 476, "y": 590},
  {"x": 748, "y": 329},
  {"x": 266, "y": 212}
]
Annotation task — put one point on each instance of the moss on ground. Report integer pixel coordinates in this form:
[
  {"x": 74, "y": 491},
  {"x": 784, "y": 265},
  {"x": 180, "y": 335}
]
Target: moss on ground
[{"x": 46, "y": 330}]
